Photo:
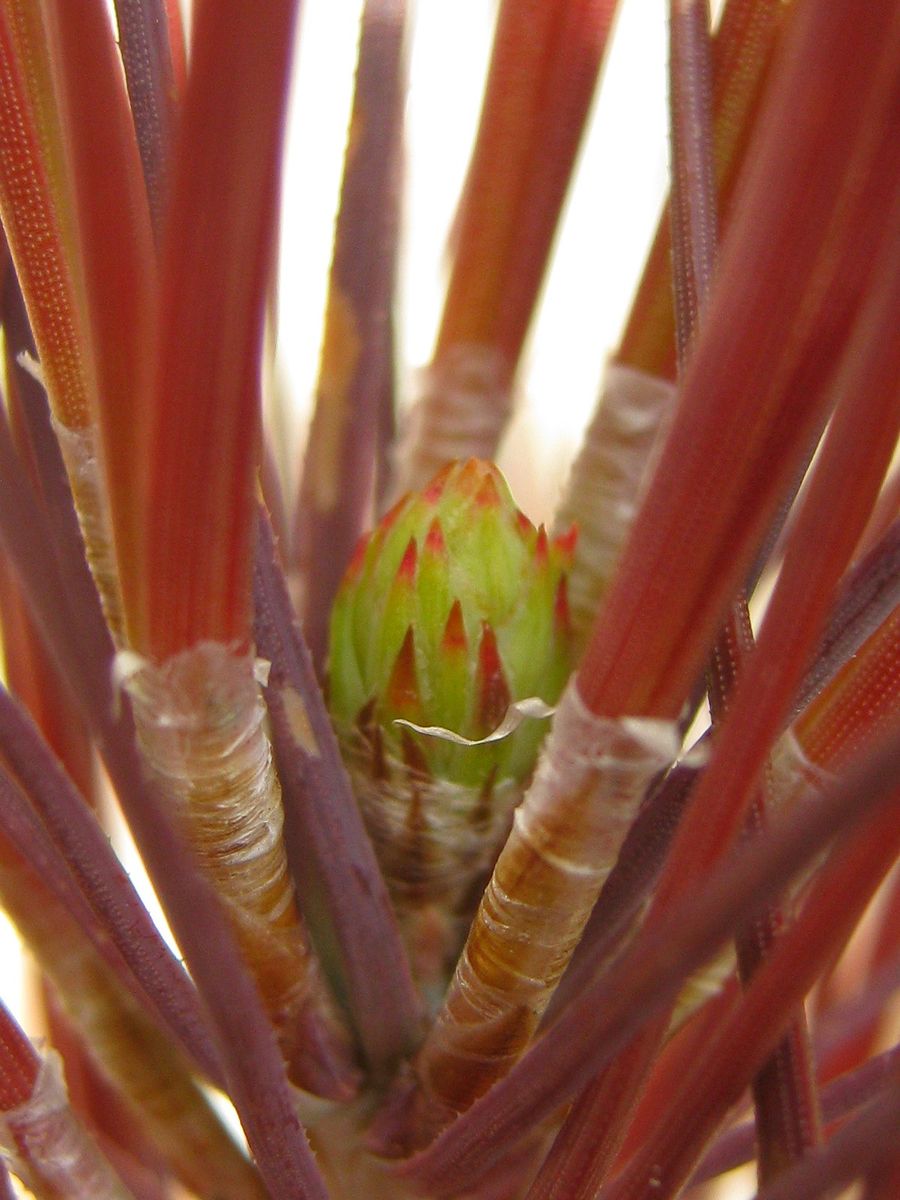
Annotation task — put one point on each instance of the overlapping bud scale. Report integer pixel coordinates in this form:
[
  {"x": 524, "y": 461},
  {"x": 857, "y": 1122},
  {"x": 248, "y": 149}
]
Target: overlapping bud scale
[{"x": 452, "y": 609}]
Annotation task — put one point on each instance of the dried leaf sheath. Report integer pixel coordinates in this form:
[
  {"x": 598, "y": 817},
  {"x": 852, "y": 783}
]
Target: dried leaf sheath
[
  {"x": 40, "y": 1137},
  {"x": 565, "y": 840},
  {"x": 200, "y": 724},
  {"x": 603, "y": 491}
]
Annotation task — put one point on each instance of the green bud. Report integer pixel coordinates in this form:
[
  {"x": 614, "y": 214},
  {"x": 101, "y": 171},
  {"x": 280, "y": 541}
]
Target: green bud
[{"x": 453, "y": 608}]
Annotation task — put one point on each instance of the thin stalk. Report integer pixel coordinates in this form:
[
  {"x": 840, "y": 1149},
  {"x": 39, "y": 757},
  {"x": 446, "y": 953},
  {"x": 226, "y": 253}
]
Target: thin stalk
[
  {"x": 144, "y": 33},
  {"x": 784, "y": 1091},
  {"x": 839, "y": 1099},
  {"x": 86, "y": 854},
  {"x": 817, "y": 554},
  {"x": 324, "y": 835},
  {"x": 36, "y": 207},
  {"x": 869, "y": 593},
  {"x": 544, "y": 67},
  {"x": 252, "y": 1064},
  {"x": 744, "y": 1040},
  {"x": 352, "y": 393},
  {"x": 29, "y": 203},
  {"x": 195, "y": 397},
  {"x": 742, "y": 51},
  {"x": 116, "y": 258}
]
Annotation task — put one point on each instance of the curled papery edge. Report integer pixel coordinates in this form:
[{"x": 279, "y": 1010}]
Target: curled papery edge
[
  {"x": 463, "y": 406},
  {"x": 45, "y": 1145},
  {"x": 566, "y": 836},
  {"x": 79, "y": 450},
  {"x": 200, "y": 724},
  {"x": 606, "y": 482},
  {"x": 532, "y": 708}
]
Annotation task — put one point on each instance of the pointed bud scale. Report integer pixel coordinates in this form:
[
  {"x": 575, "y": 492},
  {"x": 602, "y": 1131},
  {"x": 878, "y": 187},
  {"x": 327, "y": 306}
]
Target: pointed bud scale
[
  {"x": 561, "y": 607},
  {"x": 492, "y": 689},
  {"x": 402, "y": 692},
  {"x": 542, "y": 547},
  {"x": 454, "y": 640},
  {"x": 487, "y": 495},
  {"x": 434, "y": 540},
  {"x": 456, "y": 610},
  {"x": 406, "y": 572}
]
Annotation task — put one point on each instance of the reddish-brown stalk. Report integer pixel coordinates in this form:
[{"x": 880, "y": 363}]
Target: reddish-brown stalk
[
  {"x": 18, "y": 1063},
  {"x": 743, "y": 422},
  {"x": 741, "y": 53},
  {"x": 593, "y": 1130},
  {"x": 200, "y": 380},
  {"x": 784, "y": 1090},
  {"x": 745, "y": 1039},
  {"x": 326, "y": 842},
  {"x": 866, "y": 1144},
  {"x": 116, "y": 263},
  {"x": 839, "y": 1099},
  {"x": 544, "y": 68},
  {"x": 33, "y": 198},
  {"x": 147, "y": 32},
  {"x": 345, "y": 459}
]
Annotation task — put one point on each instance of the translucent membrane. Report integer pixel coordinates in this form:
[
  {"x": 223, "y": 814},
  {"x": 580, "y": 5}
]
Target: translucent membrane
[
  {"x": 463, "y": 409},
  {"x": 605, "y": 484},
  {"x": 47, "y": 1148},
  {"x": 80, "y": 454},
  {"x": 432, "y": 837},
  {"x": 793, "y": 777},
  {"x": 199, "y": 718},
  {"x": 566, "y": 837}
]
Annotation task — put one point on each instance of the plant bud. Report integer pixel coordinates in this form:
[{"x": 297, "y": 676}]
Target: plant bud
[{"x": 452, "y": 609}]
